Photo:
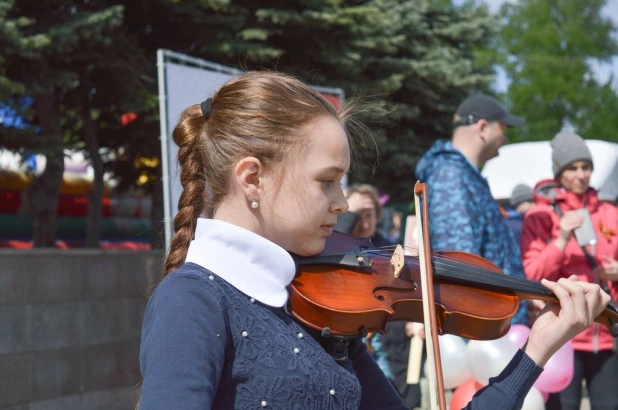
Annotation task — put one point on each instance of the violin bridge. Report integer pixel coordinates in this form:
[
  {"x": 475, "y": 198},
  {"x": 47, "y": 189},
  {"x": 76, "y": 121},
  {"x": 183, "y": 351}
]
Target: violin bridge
[{"x": 397, "y": 261}]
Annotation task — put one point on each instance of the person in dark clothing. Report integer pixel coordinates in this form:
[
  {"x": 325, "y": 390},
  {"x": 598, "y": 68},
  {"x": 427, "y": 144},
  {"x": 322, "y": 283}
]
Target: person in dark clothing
[
  {"x": 362, "y": 217},
  {"x": 361, "y": 220},
  {"x": 396, "y": 344},
  {"x": 521, "y": 201}
]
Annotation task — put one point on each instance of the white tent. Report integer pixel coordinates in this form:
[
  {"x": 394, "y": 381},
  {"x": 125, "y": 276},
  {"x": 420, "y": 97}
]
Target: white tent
[{"x": 530, "y": 162}]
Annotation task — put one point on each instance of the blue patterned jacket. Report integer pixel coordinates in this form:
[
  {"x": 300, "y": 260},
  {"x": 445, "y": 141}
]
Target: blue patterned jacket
[{"x": 463, "y": 215}]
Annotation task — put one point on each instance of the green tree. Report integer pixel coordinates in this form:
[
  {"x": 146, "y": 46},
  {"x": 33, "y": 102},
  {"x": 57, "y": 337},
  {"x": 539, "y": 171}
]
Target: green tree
[
  {"x": 82, "y": 70},
  {"x": 16, "y": 42},
  {"x": 65, "y": 32},
  {"x": 13, "y": 42},
  {"x": 547, "y": 48},
  {"x": 112, "y": 81},
  {"x": 417, "y": 59},
  {"x": 432, "y": 68}
]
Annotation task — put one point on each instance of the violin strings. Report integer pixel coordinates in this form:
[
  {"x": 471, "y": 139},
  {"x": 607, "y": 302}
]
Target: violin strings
[
  {"x": 472, "y": 272},
  {"x": 385, "y": 252},
  {"x": 435, "y": 254},
  {"x": 513, "y": 282},
  {"x": 436, "y": 257}
]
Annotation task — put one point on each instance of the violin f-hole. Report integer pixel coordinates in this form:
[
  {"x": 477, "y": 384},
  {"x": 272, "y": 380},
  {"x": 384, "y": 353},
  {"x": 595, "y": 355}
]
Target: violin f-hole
[{"x": 378, "y": 293}]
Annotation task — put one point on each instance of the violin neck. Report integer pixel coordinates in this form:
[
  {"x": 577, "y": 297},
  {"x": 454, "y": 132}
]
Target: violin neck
[{"x": 457, "y": 272}]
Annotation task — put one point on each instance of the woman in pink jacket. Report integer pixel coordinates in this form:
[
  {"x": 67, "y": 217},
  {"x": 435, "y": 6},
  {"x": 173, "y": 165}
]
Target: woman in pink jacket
[{"x": 550, "y": 250}]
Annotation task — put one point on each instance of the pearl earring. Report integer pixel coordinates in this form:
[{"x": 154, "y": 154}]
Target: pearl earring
[{"x": 254, "y": 204}]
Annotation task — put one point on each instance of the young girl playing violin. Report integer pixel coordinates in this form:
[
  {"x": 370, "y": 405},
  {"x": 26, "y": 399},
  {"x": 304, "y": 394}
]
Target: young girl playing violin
[{"x": 267, "y": 153}]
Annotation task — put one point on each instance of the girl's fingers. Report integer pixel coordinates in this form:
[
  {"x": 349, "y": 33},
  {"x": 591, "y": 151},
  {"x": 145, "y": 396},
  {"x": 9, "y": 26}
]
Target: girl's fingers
[
  {"x": 580, "y": 301},
  {"x": 596, "y": 299},
  {"x": 566, "y": 303}
]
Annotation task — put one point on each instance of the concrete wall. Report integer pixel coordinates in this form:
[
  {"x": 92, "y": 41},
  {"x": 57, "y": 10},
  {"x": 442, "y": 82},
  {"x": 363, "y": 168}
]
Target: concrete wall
[{"x": 70, "y": 324}]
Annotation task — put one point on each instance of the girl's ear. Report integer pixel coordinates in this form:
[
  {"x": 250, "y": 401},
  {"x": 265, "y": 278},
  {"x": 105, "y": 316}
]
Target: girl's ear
[{"x": 248, "y": 176}]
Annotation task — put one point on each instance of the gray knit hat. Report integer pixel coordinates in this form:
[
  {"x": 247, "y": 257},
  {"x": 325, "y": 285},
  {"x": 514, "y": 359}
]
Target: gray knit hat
[
  {"x": 521, "y": 193},
  {"x": 568, "y": 147}
]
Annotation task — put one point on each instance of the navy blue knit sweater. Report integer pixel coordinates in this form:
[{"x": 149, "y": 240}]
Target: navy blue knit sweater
[{"x": 206, "y": 345}]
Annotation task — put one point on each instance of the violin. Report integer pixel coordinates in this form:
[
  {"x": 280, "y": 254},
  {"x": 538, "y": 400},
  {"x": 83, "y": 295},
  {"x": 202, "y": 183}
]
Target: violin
[{"x": 352, "y": 288}]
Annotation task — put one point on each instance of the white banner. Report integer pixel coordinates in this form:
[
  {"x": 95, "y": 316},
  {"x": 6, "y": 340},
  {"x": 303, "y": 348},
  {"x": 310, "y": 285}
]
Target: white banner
[{"x": 186, "y": 86}]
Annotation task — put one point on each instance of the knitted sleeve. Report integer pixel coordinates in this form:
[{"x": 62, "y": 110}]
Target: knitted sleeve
[
  {"x": 183, "y": 345},
  {"x": 377, "y": 391},
  {"x": 508, "y": 390}
]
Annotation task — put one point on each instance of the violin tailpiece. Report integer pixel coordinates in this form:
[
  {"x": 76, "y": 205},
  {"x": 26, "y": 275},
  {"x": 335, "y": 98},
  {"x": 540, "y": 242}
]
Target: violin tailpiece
[{"x": 397, "y": 261}]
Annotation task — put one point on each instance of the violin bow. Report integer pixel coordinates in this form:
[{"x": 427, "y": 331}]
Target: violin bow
[
  {"x": 434, "y": 367},
  {"x": 415, "y": 358}
]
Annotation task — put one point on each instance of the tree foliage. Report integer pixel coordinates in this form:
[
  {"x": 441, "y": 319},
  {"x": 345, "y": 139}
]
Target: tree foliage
[
  {"x": 87, "y": 62},
  {"x": 416, "y": 59},
  {"x": 76, "y": 61},
  {"x": 46, "y": 71},
  {"x": 548, "y": 48}
]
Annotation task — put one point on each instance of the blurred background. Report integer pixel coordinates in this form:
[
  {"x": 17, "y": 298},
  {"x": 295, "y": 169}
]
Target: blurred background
[{"x": 81, "y": 192}]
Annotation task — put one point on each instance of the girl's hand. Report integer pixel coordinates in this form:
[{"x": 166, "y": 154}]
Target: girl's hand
[{"x": 579, "y": 304}]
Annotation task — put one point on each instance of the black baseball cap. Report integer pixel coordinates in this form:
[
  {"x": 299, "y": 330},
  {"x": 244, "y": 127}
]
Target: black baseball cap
[{"x": 481, "y": 106}]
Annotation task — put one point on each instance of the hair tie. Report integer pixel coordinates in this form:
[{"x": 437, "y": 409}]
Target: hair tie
[{"x": 206, "y": 108}]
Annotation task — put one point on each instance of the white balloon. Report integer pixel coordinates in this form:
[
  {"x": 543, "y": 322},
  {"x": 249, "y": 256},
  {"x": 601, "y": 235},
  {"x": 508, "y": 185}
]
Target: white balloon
[
  {"x": 534, "y": 400},
  {"x": 487, "y": 359},
  {"x": 454, "y": 364}
]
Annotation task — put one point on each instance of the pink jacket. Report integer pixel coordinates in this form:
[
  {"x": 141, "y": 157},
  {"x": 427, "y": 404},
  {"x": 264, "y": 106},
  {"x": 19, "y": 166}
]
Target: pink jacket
[{"x": 542, "y": 259}]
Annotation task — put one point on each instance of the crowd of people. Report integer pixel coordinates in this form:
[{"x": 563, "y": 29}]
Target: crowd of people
[
  {"x": 535, "y": 237},
  {"x": 217, "y": 333}
]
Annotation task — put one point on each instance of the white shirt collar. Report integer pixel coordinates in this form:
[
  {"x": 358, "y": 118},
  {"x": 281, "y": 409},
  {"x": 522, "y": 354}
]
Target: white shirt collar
[{"x": 249, "y": 262}]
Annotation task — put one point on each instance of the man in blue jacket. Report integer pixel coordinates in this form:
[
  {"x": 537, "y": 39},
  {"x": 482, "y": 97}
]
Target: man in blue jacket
[{"x": 463, "y": 215}]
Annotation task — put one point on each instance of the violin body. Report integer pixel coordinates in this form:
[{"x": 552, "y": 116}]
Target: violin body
[{"x": 351, "y": 288}]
